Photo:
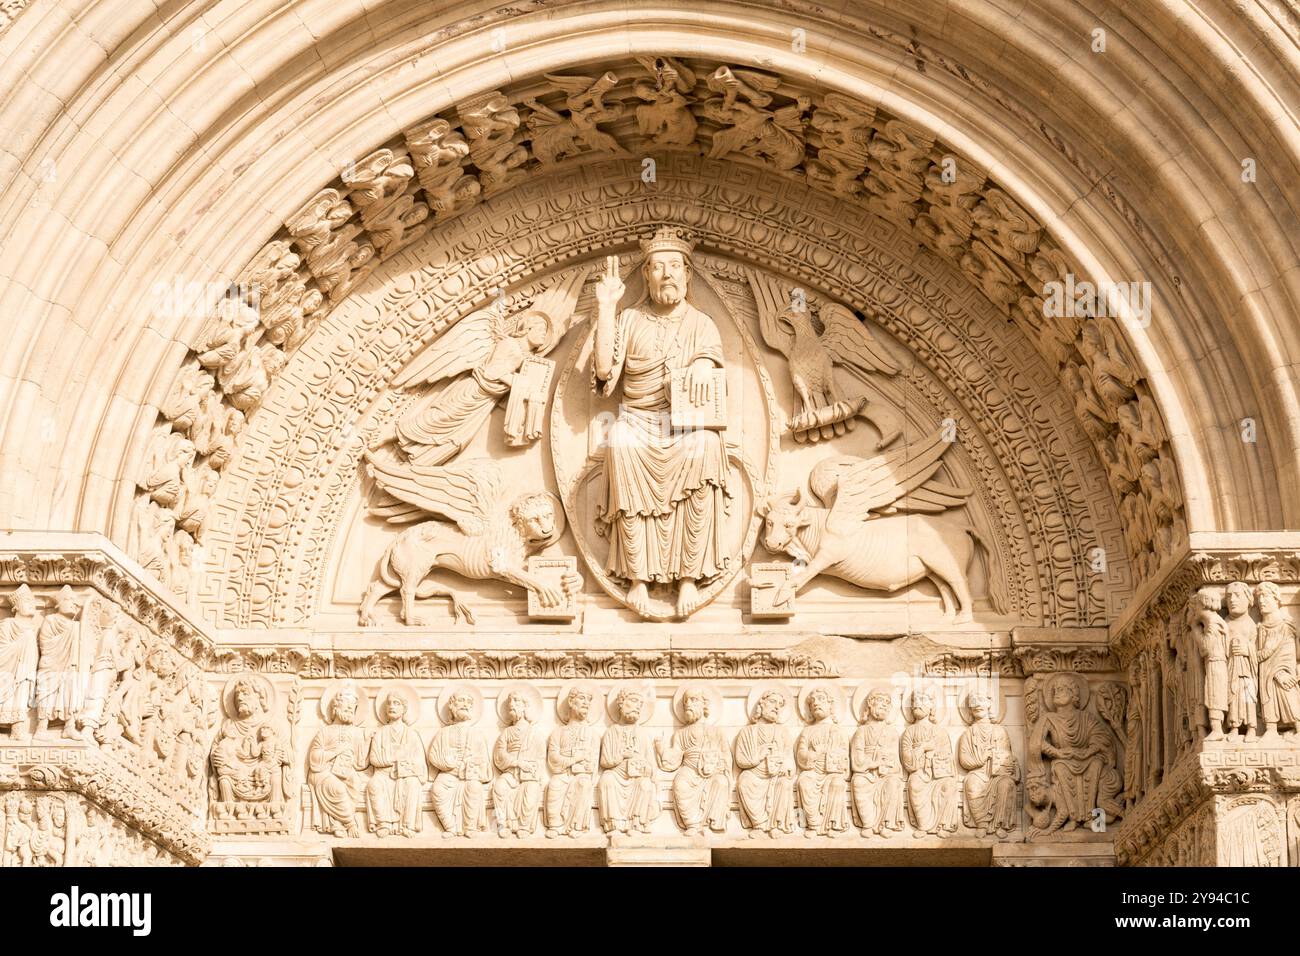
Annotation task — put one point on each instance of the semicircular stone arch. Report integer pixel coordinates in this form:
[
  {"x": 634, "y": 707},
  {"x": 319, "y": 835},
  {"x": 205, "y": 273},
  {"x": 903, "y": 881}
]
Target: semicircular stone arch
[{"x": 275, "y": 513}]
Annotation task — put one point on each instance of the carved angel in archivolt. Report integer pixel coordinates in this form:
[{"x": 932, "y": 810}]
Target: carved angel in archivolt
[
  {"x": 557, "y": 137},
  {"x": 478, "y": 531},
  {"x": 772, "y": 136},
  {"x": 482, "y": 356},
  {"x": 815, "y": 339},
  {"x": 883, "y": 527},
  {"x": 665, "y": 117}
]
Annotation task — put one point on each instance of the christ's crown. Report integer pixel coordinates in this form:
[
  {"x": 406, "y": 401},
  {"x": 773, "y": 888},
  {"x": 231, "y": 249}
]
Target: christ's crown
[{"x": 668, "y": 239}]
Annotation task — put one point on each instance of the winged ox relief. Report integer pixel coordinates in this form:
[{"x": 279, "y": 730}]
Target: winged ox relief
[{"x": 883, "y": 523}]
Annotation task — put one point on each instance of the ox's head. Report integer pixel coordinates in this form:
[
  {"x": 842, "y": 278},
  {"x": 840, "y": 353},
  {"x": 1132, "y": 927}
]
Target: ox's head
[
  {"x": 539, "y": 519},
  {"x": 785, "y": 517}
]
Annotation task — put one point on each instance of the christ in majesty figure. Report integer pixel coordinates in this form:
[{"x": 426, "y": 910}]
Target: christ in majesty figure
[{"x": 667, "y": 486}]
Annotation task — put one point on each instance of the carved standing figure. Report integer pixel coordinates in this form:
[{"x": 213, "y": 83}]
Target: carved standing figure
[
  {"x": 59, "y": 673},
  {"x": 822, "y": 755},
  {"x": 519, "y": 755},
  {"x": 700, "y": 761},
  {"x": 626, "y": 796},
  {"x": 992, "y": 773},
  {"x": 571, "y": 756},
  {"x": 765, "y": 787},
  {"x": 926, "y": 753},
  {"x": 1278, "y": 675},
  {"x": 459, "y": 753},
  {"x": 1209, "y": 639},
  {"x": 1243, "y": 661},
  {"x": 335, "y": 760},
  {"x": 397, "y": 756},
  {"x": 666, "y": 487},
  {"x": 18, "y": 657},
  {"x": 877, "y": 780}
]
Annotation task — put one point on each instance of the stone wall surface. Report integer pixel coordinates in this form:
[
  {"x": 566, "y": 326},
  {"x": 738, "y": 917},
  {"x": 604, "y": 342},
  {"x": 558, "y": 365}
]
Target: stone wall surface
[{"x": 649, "y": 435}]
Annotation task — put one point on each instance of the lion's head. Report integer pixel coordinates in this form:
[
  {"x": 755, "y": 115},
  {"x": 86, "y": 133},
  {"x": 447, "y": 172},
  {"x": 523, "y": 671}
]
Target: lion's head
[{"x": 539, "y": 518}]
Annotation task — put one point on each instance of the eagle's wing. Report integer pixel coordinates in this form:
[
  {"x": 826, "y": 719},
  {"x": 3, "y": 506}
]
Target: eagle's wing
[
  {"x": 901, "y": 480},
  {"x": 460, "y": 348},
  {"x": 771, "y": 299},
  {"x": 466, "y": 492},
  {"x": 850, "y": 343}
]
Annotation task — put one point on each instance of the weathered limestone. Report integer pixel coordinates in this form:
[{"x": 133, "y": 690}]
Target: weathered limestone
[{"x": 771, "y": 439}]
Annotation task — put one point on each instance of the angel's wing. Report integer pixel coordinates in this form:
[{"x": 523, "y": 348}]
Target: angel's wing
[
  {"x": 901, "y": 480},
  {"x": 851, "y": 343},
  {"x": 459, "y": 349},
  {"x": 771, "y": 300},
  {"x": 467, "y": 492},
  {"x": 557, "y": 304}
]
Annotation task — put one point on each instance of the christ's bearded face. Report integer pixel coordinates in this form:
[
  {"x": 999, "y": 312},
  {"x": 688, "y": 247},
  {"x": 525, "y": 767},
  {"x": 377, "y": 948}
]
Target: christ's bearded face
[{"x": 666, "y": 275}]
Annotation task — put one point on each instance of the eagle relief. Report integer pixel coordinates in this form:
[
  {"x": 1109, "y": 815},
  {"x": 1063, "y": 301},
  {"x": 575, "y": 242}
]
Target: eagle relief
[{"x": 613, "y": 442}]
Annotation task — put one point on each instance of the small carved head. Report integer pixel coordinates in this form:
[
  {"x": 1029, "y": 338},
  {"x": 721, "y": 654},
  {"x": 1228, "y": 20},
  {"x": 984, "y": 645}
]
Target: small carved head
[
  {"x": 922, "y": 706},
  {"x": 538, "y": 519},
  {"x": 23, "y": 601},
  {"x": 343, "y": 708},
  {"x": 517, "y": 706},
  {"x": 1238, "y": 595},
  {"x": 785, "y": 517},
  {"x": 695, "y": 705},
  {"x": 579, "y": 701},
  {"x": 979, "y": 706},
  {"x": 1269, "y": 597},
  {"x": 667, "y": 267},
  {"x": 534, "y": 328},
  {"x": 395, "y": 708},
  {"x": 769, "y": 707},
  {"x": 460, "y": 706},
  {"x": 249, "y": 697},
  {"x": 67, "y": 601},
  {"x": 878, "y": 704},
  {"x": 820, "y": 704},
  {"x": 629, "y": 702},
  {"x": 1065, "y": 693}
]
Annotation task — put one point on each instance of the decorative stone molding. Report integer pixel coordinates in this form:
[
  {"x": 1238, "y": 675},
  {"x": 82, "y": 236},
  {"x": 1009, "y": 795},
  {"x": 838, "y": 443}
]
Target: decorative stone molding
[
  {"x": 110, "y": 786},
  {"x": 1189, "y": 819}
]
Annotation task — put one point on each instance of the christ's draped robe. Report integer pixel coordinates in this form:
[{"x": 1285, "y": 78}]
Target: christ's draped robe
[
  {"x": 822, "y": 755},
  {"x": 460, "y": 755},
  {"x": 666, "y": 488},
  {"x": 519, "y": 754},
  {"x": 931, "y": 777},
  {"x": 702, "y": 781},
  {"x": 877, "y": 780},
  {"x": 984, "y": 751},
  {"x": 571, "y": 755},
  {"x": 393, "y": 794},
  {"x": 765, "y": 786},
  {"x": 626, "y": 795}
]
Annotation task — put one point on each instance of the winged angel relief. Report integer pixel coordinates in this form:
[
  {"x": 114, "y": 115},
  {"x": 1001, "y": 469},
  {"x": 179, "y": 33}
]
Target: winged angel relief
[{"x": 471, "y": 525}]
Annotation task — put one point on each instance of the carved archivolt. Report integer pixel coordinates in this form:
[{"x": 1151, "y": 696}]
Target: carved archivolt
[
  {"x": 307, "y": 434},
  {"x": 837, "y": 146}
]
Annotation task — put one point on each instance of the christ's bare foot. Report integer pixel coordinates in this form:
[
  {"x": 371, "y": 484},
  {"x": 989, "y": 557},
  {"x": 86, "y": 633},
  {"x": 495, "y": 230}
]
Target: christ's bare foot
[
  {"x": 688, "y": 598},
  {"x": 638, "y": 599}
]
